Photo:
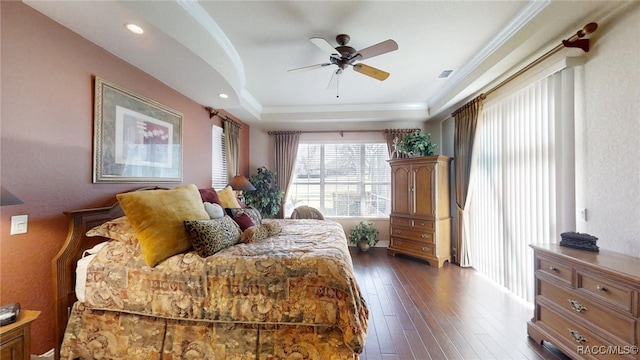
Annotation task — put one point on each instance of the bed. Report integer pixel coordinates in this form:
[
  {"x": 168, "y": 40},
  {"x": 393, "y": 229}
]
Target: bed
[{"x": 287, "y": 295}]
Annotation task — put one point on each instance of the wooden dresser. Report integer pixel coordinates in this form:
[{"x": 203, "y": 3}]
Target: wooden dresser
[
  {"x": 587, "y": 304},
  {"x": 420, "y": 221}
]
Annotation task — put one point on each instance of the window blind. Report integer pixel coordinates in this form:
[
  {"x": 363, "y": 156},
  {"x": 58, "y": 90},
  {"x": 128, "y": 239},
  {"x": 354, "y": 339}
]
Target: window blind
[{"x": 218, "y": 158}]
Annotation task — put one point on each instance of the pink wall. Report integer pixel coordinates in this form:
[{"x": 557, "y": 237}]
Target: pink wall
[{"x": 46, "y": 147}]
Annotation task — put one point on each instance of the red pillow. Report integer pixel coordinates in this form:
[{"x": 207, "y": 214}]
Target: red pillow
[
  {"x": 244, "y": 221},
  {"x": 209, "y": 195}
]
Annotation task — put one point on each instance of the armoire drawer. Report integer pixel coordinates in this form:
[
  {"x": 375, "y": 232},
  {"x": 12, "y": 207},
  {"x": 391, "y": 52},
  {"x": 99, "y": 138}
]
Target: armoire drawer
[
  {"x": 416, "y": 235},
  {"x": 413, "y": 247},
  {"x": 412, "y": 223},
  {"x": 614, "y": 323}
]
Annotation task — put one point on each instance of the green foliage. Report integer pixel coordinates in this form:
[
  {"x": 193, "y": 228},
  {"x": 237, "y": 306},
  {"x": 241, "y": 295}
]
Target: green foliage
[
  {"x": 416, "y": 144},
  {"x": 267, "y": 196},
  {"x": 364, "y": 231}
]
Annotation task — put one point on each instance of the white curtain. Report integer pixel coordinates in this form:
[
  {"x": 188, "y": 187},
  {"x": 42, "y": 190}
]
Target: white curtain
[{"x": 522, "y": 177}]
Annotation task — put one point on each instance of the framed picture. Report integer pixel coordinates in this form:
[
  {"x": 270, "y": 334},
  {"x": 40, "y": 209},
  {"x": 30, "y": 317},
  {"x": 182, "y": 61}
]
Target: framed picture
[{"x": 135, "y": 139}]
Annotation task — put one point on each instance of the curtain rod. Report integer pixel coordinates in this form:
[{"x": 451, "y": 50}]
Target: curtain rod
[
  {"x": 213, "y": 112},
  {"x": 574, "y": 41},
  {"x": 341, "y": 132}
]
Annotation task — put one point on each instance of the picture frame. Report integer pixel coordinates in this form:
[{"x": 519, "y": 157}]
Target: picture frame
[{"x": 135, "y": 139}]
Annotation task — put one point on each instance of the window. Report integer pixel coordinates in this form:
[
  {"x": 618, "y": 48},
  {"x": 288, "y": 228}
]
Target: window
[
  {"x": 218, "y": 159},
  {"x": 342, "y": 179}
]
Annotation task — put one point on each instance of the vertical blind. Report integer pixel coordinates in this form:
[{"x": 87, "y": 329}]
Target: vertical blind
[
  {"x": 517, "y": 175},
  {"x": 219, "y": 177}
]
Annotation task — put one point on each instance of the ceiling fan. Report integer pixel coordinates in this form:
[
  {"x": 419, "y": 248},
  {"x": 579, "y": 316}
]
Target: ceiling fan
[{"x": 344, "y": 56}]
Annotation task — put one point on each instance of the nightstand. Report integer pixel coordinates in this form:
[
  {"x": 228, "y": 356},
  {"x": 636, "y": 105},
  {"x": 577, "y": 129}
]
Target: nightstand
[{"x": 15, "y": 339}]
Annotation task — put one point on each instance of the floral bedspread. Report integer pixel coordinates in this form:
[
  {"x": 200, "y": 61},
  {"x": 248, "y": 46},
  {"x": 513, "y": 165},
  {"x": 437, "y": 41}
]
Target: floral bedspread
[{"x": 302, "y": 276}]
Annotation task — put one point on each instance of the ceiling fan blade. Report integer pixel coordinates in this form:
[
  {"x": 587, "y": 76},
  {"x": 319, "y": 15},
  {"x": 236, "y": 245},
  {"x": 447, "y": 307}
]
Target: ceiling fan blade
[
  {"x": 325, "y": 46},
  {"x": 371, "y": 71},
  {"x": 310, "y": 67},
  {"x": 377, "y": 49}
]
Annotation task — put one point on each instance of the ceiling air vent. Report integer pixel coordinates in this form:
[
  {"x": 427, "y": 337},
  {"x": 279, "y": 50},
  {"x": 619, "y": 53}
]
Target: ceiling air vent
[{"x": 445, "y": 74}]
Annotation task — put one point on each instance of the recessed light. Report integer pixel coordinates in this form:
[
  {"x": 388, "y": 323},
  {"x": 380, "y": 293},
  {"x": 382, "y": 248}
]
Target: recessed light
[
  {"x": 135, "y": 28},
  {"x": 223, "y": 96}
]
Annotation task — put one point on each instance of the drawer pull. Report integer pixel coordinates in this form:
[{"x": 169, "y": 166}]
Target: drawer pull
[
  {"x": 424, "y": 236},
  {"x": 552, "y": 268},
  {"x": 577, "y": 306},
  {"x": 424, "y": 248},
  {"x": 398, "y": 242},
  {"x": 577, "y": 337},
  {"x": 397, "y": 232},
  {"x": 601, "y": 288}
]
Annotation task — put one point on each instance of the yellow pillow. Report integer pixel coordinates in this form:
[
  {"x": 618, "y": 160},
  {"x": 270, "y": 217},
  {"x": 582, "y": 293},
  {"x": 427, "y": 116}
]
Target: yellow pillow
[
  {"x": 157, "y": 217},
  {"x": 228, "y": 198}
]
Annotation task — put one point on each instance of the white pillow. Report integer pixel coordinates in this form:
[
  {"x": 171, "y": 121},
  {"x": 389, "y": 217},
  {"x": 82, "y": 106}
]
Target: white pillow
[
  {"x": 81, "y": 269},
  {"x": 215, "y": 211}
]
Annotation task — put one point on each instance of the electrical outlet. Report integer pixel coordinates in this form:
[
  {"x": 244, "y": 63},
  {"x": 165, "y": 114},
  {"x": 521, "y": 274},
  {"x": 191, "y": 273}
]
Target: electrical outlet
[
  {"x": 583, "y": 214},
  {"x": 19, "y": 224}
]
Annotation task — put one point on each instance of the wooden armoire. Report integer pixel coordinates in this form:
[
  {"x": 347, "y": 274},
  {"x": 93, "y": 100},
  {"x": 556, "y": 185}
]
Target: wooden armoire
[{"x": 420, "y": 220}]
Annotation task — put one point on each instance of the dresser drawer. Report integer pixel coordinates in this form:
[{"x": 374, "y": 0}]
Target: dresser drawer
[
  {"x": 616, "y": 324},
  {"x": 416, "y": 235},
  {"x": 573, "y": 335},
  {"x": 558, "y": 271},
  {"x": 613, "y": 293},
  {"x": 413, "y": 247}
]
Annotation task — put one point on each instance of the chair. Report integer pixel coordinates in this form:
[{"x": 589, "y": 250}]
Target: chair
[{"x": 306, "y": 212}]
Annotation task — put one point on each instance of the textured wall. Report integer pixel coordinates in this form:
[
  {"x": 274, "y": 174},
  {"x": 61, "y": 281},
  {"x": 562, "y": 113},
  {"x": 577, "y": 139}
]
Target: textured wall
[
  {"x": 608, "y": 135},
  {"x": 46, "y": 147}
]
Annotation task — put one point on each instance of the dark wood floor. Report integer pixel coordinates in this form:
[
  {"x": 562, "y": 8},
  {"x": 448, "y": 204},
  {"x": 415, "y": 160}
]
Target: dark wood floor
[{"x": 421, "y": 312}]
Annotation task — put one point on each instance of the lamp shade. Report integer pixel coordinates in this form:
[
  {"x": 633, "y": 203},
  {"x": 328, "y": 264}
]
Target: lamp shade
[
  {"x": 239, "y": 182},
  {"x": 7, "y": 198}
]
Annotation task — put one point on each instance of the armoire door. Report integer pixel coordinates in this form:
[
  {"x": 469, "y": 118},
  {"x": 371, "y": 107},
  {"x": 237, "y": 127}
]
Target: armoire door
[
  {"x": 401, "y": 190},
  {"x": 423, "y": 178}
]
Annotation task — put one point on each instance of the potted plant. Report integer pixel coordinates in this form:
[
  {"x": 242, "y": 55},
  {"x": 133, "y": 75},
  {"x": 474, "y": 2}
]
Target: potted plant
[
  {"x": 267, "y": 196},
  {"x": 416, "y": 144},
  {"x": 364, "y": 235}
]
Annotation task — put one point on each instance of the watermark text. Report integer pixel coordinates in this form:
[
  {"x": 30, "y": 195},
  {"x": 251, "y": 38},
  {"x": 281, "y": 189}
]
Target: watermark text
[{"x": 607, "y": 350}]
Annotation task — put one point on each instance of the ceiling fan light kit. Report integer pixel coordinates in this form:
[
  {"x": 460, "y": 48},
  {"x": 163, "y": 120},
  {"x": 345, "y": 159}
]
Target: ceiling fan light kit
[{"x": 344, "y": 56}]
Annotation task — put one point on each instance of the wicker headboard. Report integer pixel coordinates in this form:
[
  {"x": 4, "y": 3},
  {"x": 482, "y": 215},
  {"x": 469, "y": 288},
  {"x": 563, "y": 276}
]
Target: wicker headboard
[{"x": 64, "y": 263}]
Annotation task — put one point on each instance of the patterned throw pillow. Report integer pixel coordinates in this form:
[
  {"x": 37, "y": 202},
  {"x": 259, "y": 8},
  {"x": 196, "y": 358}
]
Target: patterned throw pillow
[
  {"x": 261, "y": 231},
  {"x": 253, "y": 214},
  {"x": 117, "y": 229},
  {"x": 210, "y": 236}
]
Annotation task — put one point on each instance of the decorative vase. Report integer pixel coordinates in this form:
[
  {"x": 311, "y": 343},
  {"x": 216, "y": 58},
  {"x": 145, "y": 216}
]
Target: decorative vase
[{"x": 363, "y": 245}]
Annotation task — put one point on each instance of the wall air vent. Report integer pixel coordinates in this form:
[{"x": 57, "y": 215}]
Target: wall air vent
[{"x": 445, "y": 74}]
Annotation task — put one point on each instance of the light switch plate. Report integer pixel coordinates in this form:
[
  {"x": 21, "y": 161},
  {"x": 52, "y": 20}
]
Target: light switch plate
[{"x": 19, "y": 224}]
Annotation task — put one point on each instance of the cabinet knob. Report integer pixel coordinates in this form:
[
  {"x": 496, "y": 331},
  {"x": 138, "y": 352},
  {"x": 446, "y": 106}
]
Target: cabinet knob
[
  {"x": 552, "y": 268},
  {"x": 577, "y": 337},
  {"x": 577, "y": 306},
  {"x": 601, "y": 288}
]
